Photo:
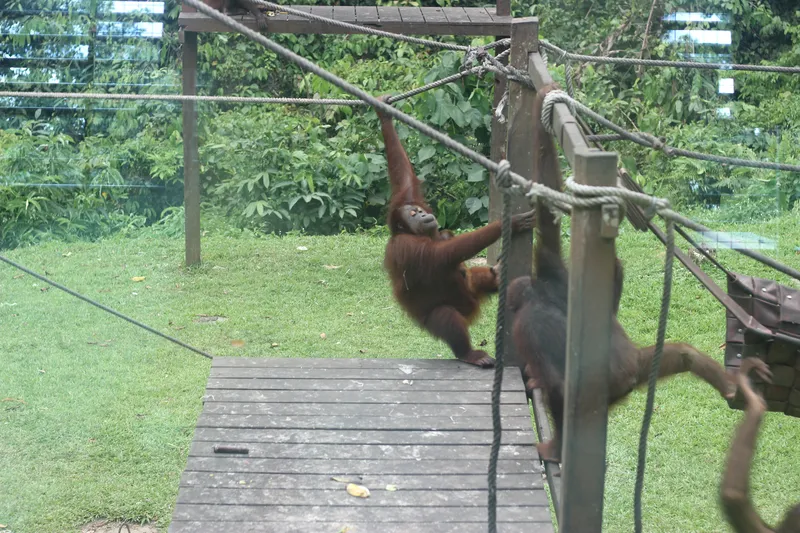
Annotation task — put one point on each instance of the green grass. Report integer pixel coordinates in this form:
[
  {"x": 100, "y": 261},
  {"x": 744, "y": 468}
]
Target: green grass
[{"x": 97, "y": 415}]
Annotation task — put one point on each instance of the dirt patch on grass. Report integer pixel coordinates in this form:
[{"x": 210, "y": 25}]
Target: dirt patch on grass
[{"x": 105, "y": 526}]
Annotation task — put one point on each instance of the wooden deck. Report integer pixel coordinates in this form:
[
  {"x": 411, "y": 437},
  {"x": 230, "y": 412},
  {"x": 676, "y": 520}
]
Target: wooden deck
[
  {"x": 423, "y": 426},
  {"x": 404, "y": 20}
]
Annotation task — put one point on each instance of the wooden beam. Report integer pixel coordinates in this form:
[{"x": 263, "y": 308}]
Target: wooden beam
[
  {"x": 591, "y": 280},
  {"x": 433, "y": 21},
  {"x": 191, "y": 167},
  {"x": 568, "y": 133},
  {"x": 497, "y": 153},
  {"x": 520, "y": 154},
  {"x": 503, "y": 8}
]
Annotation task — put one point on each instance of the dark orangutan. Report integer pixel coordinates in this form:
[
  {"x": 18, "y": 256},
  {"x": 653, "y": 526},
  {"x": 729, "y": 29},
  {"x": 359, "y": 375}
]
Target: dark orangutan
[
  {"x": 426, "y": 266},
  {"x": 736, "y": 503},
  {"x": 538, "y": 305},
  {"x": 254, "y": 9}
]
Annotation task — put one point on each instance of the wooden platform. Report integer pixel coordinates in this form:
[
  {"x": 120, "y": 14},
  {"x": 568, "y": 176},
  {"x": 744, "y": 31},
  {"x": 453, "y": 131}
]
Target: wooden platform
[
  {"x": 404, "y": 20},
  {"x": 423, "y": 426}
]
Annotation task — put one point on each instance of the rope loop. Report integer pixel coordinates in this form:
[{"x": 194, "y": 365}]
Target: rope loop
[
  {"x": 502, "y": 177},
  {"x": 550, "y": 100}
]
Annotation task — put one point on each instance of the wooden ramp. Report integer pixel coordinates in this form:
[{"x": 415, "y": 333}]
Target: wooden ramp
[{"x": 422, "y": 426}]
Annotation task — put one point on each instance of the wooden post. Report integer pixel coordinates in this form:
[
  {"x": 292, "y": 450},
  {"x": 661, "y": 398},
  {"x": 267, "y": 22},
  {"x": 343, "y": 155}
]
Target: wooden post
[
  {"x": 191, "y": 167},
  {"x": 524, "y": 32},
  {"x": 591, "y": 279},
  {"x": 499, "y": 133}
]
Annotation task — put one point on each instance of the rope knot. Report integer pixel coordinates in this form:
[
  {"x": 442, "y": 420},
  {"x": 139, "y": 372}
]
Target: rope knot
[{"x": 502, "y": 177}]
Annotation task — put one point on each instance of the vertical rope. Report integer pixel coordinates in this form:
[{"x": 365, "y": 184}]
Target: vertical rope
[
  {"x": 503, "y": 181},
  {"x": 653, "y": 378}
]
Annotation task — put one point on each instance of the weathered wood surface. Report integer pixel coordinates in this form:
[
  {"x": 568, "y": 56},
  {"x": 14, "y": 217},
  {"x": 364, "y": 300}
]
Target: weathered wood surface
[
  {"x": 423, "y": 426},
  {"x": 403, "y": 20}
]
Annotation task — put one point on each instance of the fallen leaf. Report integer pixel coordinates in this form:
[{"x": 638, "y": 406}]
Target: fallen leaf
[
  {"x": 237, "y": 343},
  {"x": 66, "y": 254},
  {"x": 137, "y": 278},
  {"x": 345, "y": 529},
  {"x": 357, "y": 490},
  {"x": 148, "y": 287},
  {"x": 323, "y": 336},
  {"x": 340, "y": 479},
  {"x": 391, "y": 488},
  {"x": 406, "y": 369},
  {"x": 41, "y": 371},
  {"x": 332, "y": 267},
  {"x": 44, "y": 289},
  {"x": 18, "y": 276},
  {"x": 362, "y": 351},
  {"x": 302, "y": 248},
  {"x": 721, "y": 345},
  {"x": 349, "y": 314},
  {"x": 484, "y": 342}
]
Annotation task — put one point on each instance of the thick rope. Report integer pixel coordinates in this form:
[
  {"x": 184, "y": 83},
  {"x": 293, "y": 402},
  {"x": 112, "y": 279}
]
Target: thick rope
[
  {"x": 503, "y": 181},
  {"x": 647, "y": 140},
  {"x": 359, "y": 28},
  {"x": 104, "y": 308},
  {"x": 563, "y": 54},
  {"x": 653, "y": 378}
]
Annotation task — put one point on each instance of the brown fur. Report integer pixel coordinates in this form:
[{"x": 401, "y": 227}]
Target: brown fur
[
  {"x": 539, "y": 316},
  {"x": 734, "y": 491}
]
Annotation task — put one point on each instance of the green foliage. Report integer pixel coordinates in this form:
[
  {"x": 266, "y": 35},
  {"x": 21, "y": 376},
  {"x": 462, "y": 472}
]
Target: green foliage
[{"x": 52, "y": 187}]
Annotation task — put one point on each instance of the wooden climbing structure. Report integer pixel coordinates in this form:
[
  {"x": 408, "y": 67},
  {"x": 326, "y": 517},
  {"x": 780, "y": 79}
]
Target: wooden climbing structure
[{"x": 289, "y": 435}]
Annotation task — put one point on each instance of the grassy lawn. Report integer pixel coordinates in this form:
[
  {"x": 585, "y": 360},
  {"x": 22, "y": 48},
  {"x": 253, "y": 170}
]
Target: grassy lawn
[{"x": 97, "y": 416}]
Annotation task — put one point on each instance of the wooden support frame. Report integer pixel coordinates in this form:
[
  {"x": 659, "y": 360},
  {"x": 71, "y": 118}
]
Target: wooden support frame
[
  {"x": 590, "y": 305},
  {"x": 422, "y": 21}
]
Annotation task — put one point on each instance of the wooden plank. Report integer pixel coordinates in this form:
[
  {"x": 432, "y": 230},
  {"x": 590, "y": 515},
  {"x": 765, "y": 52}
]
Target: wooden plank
[
  {"x": 363, "y": 410},
  {"x": 351, "y": 436},
  {"x": 352, "y": 527},
  {"x": 388, "y": 397},
  {"x": 389, "y": 15},
  {"x": 378, "y": 497},
  {"x": 591, "y": 281},
  {"x": 363, "y": 451},
  {"x": 233, "y": 480},
  {"x": 434, "y": 16},
  {"x": 509, "y": 383},
  {"x": 412, "y": 17},
  {"x": 367, "y": 15},
  {"x": 436, "y": 423},
  {"x": 520, "y": 155},
  {"x": 456, "y": 16},
  {"x": 478, "y": 15},
  {"x": 449, "y": 364},
  {"x": 313, "y": 514},
  {"x": 343, "y": 467},
  {"x": 344, "y": 14},
  {"x": 191, "y": 158},
  {"x": 350, "y": 373},
  {"x": 437, "y": 21}
]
